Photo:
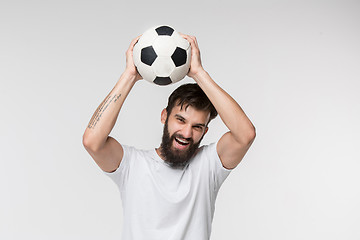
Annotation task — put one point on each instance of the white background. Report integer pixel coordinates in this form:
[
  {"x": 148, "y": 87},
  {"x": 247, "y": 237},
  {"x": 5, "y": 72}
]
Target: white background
[{"x": 294, "y": 67}]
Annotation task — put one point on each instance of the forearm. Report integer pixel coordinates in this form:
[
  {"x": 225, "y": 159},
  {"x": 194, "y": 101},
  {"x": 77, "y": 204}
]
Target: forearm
[
  {"x": 228, "y": 109},
  {"x": 105, "y": 116}
]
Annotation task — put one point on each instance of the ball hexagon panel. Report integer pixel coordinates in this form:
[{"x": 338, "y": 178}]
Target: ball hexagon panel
[
  {"x": 179, "y": 72},
  {"x": 147, "y": 38},
  {"x": 146, "y": 72},
  {"x": 164, "y": 46},
  {"x": 163, "y": 66},
  {"x": 180, "y": 41}
]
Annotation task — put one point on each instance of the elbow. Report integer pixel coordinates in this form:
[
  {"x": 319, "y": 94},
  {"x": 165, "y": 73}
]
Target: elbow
[
  {"x": 249, "y": 136},
  {"x": 86, "y": 141},
  {"x": 252, "y": 135},
  {"x": 245, "y": 138},
  {"x": 89, "y": 144}
]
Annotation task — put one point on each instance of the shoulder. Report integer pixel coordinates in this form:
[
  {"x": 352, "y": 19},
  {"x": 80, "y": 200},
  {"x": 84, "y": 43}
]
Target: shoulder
[
  {"x": 204, "y": 153},
  {"x": 137, "y": 153},
  {"x": 208, "y": 149},
  {"x": 134, "y": 150},
  {"x": 210, "y": 152},
  {"x": 132, "y": 156}
]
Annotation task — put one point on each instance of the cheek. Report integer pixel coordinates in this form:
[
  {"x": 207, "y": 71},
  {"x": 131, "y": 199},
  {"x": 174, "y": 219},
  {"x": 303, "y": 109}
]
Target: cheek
[
  {"x": 197, "y": 136},
  {"x": 172, "y": 129}
]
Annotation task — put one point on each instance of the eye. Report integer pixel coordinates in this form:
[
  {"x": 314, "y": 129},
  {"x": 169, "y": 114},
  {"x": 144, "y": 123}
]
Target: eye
[
  {"x": 199, "y": 128},
  {"x": 180, "y": 120}
]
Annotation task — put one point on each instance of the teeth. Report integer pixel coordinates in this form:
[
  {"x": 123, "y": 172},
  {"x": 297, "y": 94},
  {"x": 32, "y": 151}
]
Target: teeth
[{"x": 182, "y": 141}]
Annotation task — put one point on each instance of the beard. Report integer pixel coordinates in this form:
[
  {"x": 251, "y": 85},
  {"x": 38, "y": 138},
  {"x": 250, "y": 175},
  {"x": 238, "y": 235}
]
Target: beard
[{"x": 175, "y": 157}]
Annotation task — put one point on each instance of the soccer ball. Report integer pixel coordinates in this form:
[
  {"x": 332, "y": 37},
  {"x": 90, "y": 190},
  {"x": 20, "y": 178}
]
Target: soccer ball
[{"x": 162, "y": 56}]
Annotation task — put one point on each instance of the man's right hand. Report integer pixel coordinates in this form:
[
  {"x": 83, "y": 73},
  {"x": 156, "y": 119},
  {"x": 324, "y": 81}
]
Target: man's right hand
[
  {"x": 130, "y": 66},
  {"x": 105, "y": 150}
]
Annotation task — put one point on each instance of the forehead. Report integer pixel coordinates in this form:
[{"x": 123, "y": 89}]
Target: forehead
[{"x": 191, "y": 114}]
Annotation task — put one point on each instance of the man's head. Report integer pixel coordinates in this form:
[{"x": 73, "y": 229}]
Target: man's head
[
  {"x": 191, "y": 95},
  {"x": 185, "y": 120}
]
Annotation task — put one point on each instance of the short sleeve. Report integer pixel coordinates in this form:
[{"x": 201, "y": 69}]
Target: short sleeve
[
  {"x": 121, "y": 174},
  {"x": 218, "y": 172}
]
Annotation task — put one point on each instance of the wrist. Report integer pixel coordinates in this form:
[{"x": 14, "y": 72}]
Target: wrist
[
  {"x": 199, "y": 74},
  {"x": 128, "y": 77}
]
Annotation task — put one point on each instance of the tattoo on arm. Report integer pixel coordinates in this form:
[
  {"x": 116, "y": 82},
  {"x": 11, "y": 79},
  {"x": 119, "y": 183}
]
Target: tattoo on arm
[{"x": 101, "y": 109}]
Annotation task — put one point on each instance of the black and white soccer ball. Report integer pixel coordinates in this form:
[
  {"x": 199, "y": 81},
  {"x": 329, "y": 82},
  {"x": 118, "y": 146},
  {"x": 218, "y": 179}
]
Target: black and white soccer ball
[{"x": 162, "y": 56}]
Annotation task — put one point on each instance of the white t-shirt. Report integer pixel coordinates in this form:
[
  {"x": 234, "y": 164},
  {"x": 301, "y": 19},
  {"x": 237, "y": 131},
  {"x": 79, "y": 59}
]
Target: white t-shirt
[{"x": 160, "y": 202}]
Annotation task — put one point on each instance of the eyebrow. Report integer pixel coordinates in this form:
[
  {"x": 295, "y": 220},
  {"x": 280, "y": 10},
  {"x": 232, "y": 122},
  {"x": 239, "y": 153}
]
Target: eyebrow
[
  {"x": 198, "y": 124},
  {"x": 179, "y": 116}
]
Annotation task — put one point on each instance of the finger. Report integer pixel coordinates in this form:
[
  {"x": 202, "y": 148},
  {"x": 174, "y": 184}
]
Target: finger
[
  {"x": 189, "y": 39},
  {"x": 186, "y": 37},
  {"x": 195, "y": 41},
  {"x": 133, "y": 42}
]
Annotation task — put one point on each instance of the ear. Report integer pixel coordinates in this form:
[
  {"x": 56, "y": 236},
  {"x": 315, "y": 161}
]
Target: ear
[{"x": 163, "y": 116}]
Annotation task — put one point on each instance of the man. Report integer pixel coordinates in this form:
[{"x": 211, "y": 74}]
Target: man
[{"x": 170, "y": 192}]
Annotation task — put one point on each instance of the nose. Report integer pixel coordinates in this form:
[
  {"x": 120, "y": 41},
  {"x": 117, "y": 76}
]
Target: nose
[{"x": 186, "y": 131}]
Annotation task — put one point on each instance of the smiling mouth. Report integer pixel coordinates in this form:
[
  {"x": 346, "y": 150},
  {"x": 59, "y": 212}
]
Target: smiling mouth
[{"x": 182, "y": 143}]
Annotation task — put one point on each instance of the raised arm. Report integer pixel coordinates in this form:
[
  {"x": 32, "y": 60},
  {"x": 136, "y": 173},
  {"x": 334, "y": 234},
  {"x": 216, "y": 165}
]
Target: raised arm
[
  {"x": 234, "y": 144},
  {"x": 105, "y": 150}
]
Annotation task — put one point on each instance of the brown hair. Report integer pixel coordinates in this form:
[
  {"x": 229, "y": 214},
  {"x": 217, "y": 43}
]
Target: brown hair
[{"x": 191, "y": 95}]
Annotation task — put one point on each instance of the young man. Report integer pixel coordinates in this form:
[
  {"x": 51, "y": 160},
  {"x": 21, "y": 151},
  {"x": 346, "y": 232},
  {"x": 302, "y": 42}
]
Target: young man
[{"x": 170, "y": 192}]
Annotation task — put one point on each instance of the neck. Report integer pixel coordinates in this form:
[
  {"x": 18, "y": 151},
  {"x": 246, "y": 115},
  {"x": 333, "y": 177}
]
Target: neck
[{"x": 158, "y": 151}]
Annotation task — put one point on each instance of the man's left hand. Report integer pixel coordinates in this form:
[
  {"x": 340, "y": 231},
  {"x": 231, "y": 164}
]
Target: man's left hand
[{"x": 195, "y": 62}]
